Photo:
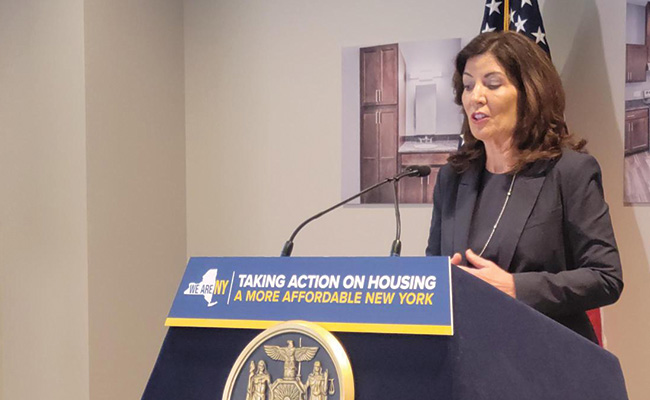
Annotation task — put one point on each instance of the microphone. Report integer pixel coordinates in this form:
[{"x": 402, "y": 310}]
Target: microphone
[
  {"x": 419, "y": 171},
  {"x": 414, "y": 170}
]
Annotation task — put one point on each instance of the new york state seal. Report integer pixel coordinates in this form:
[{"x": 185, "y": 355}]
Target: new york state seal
[{"x": 295, "y": 360}]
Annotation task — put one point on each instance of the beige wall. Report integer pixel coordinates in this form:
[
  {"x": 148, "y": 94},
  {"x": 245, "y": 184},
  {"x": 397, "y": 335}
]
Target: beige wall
[
  {"x": 92, "y": 216},
  {"x": 136, "y": 185},
  {"x": 263, "y": 116},
  {"x": 263, "y": 112},
  {"x": 593, "y": 74},
  {"x": 43, "y": 255}
]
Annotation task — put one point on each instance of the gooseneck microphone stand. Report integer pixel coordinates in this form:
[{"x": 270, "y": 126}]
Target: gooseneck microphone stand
[{"x": 396, "y": 248}]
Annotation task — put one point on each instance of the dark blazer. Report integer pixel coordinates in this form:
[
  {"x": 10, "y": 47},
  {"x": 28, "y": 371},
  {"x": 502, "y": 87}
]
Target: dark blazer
[{"x": 560, "y": 244}]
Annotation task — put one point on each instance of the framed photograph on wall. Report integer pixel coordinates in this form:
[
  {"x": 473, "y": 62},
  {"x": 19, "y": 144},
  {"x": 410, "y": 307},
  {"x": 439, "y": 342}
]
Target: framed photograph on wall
[
  {"x": 398, "y": 110},
  {"x": 637, "y": 103}
]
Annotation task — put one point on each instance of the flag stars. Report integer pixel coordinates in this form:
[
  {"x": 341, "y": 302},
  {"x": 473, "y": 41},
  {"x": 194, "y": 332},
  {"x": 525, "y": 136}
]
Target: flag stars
[
  {"x": 520, "y": 16},
  {"x": 494, "y": 7},
  {"x": 520, "y": 24},
  {"x": 539, "y": 36},
  {"x": 488, "y": 28}
]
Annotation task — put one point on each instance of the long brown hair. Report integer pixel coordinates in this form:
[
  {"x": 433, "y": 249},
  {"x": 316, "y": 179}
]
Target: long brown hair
[{"x": 540, "y": 132}]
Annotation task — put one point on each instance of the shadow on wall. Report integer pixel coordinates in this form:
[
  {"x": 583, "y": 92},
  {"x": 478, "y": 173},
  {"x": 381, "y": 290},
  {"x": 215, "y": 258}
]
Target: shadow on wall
[{"x": 591, "y": 114}]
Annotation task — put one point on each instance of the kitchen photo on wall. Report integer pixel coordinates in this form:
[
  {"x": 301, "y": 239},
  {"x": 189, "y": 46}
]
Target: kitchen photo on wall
[
  {"x": 637, "y": 102},
  {"x": 398, "y": 110}
]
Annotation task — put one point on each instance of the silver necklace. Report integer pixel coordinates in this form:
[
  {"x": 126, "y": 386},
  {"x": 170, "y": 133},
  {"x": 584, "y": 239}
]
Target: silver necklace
[{"x": 494, "y": 228}]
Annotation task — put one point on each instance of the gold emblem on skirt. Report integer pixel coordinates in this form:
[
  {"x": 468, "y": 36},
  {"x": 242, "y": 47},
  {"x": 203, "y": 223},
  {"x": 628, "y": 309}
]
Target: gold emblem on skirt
[{"x": 271, "y": 366}]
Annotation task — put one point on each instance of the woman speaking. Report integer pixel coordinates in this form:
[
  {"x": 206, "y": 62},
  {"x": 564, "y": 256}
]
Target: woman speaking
[{"x": 520, "y": 205}]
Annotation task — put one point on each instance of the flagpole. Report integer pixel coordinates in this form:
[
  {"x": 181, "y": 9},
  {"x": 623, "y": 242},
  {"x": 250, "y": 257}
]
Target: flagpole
[{"x": 506, "y": 15}]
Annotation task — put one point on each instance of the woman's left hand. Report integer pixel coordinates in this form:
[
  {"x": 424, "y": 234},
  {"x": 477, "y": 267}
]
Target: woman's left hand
[{"x": 487, "y": 271}]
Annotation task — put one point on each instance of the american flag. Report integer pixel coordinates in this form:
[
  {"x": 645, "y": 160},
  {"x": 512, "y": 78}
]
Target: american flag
[{"x": 523, "y": 16}]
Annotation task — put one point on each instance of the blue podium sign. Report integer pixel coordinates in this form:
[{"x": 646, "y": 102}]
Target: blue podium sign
[{"x": 410, "y": 295}]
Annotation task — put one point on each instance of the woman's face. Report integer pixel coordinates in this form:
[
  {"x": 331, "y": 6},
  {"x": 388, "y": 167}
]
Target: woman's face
[{"x": 489, "y": 100}]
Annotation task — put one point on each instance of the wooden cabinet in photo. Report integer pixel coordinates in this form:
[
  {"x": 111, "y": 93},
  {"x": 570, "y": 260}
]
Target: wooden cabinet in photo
[
  {"x": 636, "y": 61},
  {"x": 379, "y": 75},
  {"x": 378, "y": 152},
  {"x": 647, "y": 26},
  {"x": 636, "y": 131},
  {"x": 418, "y": 191},
  {"x": 382, "y": 108}
]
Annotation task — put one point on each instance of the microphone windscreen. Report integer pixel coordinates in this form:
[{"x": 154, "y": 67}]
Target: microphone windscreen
[{"x": 422, "y": 170}]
